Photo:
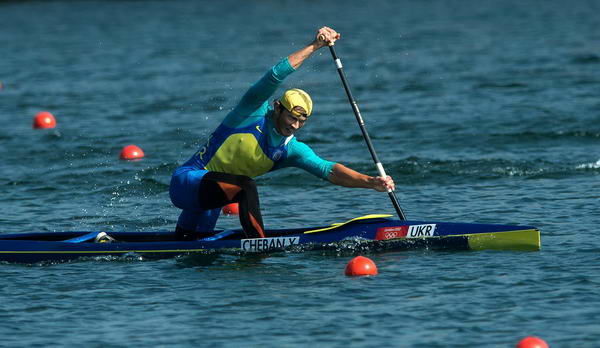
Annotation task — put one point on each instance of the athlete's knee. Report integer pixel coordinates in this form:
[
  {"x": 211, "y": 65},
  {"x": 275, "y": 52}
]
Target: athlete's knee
[{"x": 176, "y": 195}]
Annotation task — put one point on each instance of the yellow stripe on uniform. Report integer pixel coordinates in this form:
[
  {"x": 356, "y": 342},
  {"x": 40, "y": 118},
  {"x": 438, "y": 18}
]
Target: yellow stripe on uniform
[{"x": 240, "y": 154}]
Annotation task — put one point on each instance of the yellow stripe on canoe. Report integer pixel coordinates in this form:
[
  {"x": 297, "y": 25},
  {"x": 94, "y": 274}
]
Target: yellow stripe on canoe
[
  {"x": 339, "y": 224},
  {"x": 98, "y": 251}
]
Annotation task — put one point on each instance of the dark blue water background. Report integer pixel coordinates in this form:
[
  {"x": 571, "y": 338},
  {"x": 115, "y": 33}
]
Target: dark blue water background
[{"x": 483, "y": 111}]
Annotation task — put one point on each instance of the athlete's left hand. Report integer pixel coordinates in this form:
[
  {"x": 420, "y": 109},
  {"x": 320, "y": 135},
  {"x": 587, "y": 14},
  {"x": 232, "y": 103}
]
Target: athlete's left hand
[
  {"x": 383, "y": 184},
  {"x": 326, "y": 36}
]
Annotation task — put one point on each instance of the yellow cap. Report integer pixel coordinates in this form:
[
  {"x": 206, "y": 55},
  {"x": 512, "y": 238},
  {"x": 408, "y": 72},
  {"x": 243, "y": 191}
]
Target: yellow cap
[{"x": 296, "y": 97}]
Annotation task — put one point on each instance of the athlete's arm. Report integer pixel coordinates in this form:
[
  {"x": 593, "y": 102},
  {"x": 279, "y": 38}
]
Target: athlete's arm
[
  {"x": 323, "y": 37},
  {"x": 302, "y": 156},
  {"x": 344, "y": 176},
  {"x": 255, "y": 100}
]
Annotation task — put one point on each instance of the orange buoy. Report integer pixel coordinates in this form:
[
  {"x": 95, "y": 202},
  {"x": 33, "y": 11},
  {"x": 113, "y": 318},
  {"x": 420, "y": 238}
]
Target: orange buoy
[
  {"x": 532, "y": 342},
  {"x": 44, "y": 119},
  {"x": 361, "y": 266},
  {"x": 231, "y": 209},
  {"x": 131, "y": 152}
]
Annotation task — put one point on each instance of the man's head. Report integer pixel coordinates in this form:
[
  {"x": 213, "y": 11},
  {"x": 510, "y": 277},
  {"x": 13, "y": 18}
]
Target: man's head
[{"x": 291, "y": 111}]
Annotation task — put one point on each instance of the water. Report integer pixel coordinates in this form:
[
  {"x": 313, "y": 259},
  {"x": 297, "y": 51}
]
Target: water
[{"x": 482, "y": 112}]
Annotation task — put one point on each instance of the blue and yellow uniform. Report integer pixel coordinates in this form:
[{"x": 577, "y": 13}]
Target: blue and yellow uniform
[{"x": 245, "y": 143}]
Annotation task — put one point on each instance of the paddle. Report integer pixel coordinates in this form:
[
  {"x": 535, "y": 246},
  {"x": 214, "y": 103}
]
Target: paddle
[{"x": 361, "y": 124}]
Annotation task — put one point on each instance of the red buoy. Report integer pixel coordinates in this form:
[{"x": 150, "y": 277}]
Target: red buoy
[
  {"x": 44, "y": 119},
  {"x": 532, "y": 342},
  {"x": 231, "y": 209},
  {"x": 131, "y": 152},
  {"x": 361, "y": 266}
]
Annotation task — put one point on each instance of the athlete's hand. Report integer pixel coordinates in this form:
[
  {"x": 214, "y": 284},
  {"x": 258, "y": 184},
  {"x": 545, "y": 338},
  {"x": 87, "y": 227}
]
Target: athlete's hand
[
  {"x": 382, "y": 184},
  {"x": 327, "y": 36}
]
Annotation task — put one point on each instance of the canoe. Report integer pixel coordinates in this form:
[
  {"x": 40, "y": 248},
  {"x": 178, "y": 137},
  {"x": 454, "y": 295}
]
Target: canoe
[{"x": 378, "y": 232}]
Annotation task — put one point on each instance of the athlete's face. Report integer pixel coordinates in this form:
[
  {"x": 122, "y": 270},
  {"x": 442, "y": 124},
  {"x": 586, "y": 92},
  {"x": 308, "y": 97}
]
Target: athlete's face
[{"x": 287, "y": 123}]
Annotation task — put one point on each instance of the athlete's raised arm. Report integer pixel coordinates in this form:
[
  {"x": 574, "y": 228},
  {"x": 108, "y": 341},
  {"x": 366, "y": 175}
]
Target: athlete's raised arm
[
  {"x": 257, "y": 96},
  {"x": 323, "y": 37}
]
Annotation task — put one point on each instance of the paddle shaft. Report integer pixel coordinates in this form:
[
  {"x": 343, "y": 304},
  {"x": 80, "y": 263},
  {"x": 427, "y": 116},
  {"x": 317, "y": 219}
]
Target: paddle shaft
[{"x": 363, "y": 129}]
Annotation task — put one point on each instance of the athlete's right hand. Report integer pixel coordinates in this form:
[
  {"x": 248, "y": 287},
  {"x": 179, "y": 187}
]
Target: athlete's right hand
[{"x": 383, "y": 184}]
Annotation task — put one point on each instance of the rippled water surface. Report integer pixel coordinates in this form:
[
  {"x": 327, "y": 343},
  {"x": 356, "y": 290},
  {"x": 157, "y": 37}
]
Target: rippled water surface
[{"x": 482, "y": 112}]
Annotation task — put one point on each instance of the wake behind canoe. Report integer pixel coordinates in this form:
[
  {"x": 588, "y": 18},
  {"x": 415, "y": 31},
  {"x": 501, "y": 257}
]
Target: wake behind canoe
[{"x": 379, "y": 231}]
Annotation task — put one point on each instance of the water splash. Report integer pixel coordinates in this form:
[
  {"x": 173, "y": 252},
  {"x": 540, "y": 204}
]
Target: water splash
[{"x": 595, "y": 165}]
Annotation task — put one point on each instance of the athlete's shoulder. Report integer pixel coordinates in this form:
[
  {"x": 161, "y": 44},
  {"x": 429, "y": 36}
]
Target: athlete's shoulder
[{"x": 299, "y": 148}]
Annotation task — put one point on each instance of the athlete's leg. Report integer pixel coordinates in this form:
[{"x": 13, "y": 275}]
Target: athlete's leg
[
  {"x": 218, "y": 189},
  {"x": 184, "y": 195},
  {"x": 201, "y": 201},
  {"x": 193, "y": 225}
]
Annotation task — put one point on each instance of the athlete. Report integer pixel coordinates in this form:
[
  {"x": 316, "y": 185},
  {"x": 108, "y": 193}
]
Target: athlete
[{"x": 253, "y": 139}]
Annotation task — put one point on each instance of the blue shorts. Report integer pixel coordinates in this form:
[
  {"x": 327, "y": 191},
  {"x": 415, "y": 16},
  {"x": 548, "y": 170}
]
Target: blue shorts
[{"x": 183, "y": 191}]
